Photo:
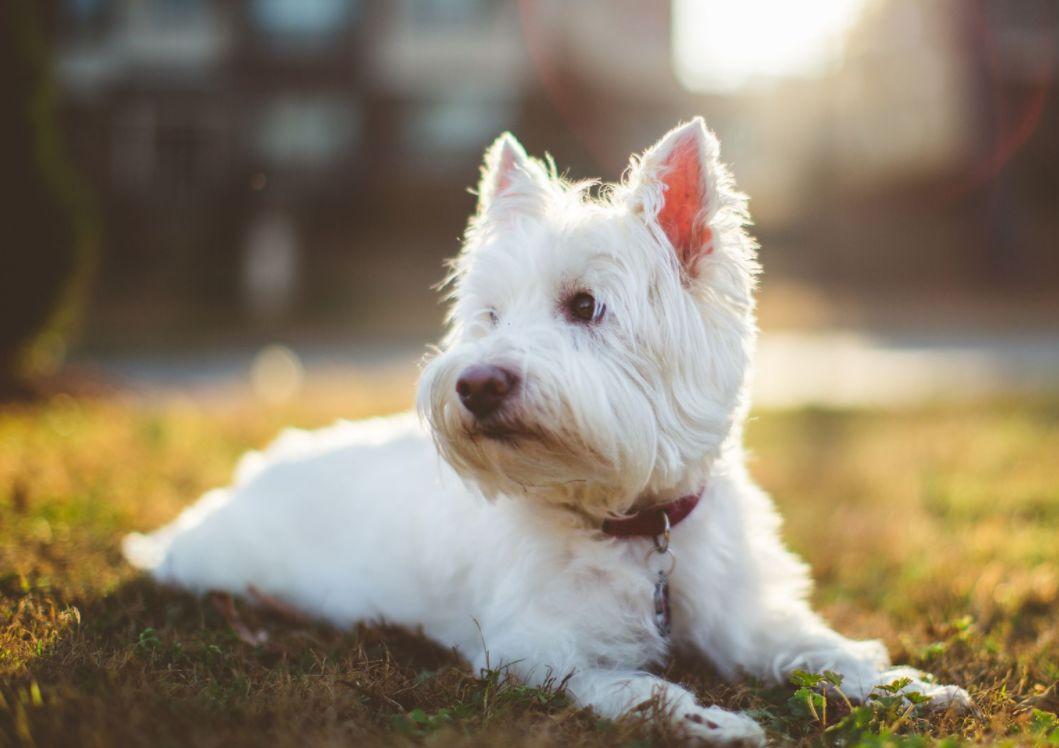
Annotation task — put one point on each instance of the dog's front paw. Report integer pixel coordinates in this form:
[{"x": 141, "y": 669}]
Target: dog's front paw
[
  {"x": 948, "y": 697},
  {"x": 939, "y": 697},
  {"x": 720, "y": 727}
]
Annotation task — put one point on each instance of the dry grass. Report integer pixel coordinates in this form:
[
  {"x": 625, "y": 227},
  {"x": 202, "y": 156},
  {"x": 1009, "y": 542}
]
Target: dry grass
[{"x": 934, "y": 529}]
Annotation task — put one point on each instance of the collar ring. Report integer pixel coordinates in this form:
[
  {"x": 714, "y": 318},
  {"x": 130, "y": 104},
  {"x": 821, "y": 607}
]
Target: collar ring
[{"x": 662, "y": 539}]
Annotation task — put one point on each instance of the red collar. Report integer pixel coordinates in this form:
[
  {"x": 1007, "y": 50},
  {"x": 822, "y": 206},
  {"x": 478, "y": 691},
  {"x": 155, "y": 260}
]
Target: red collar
[{"x": 650, "y": 523}]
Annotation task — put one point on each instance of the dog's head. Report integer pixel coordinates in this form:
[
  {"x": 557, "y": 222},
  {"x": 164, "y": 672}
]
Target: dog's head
[{"x": 598, "y": 348}]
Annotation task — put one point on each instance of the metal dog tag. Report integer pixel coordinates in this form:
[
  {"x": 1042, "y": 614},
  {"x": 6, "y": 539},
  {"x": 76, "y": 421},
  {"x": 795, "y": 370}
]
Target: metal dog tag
[
  {"x": 661, "y": 597},
  {"x": 662, "y": 617}
]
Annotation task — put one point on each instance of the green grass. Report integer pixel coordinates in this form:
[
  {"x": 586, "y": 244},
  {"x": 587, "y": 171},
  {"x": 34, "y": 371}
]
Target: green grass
[{"x": 936, "y": 530}]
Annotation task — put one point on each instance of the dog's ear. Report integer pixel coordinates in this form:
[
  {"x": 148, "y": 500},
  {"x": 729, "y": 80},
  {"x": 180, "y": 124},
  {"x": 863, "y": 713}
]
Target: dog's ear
[
  {"x": 672, "y": 186},
  {"x": 510, "y": 178}
]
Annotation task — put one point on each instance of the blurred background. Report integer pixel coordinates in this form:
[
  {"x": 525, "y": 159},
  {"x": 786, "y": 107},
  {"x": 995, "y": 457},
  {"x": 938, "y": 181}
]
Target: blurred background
[{"x": 215, "y": 194}]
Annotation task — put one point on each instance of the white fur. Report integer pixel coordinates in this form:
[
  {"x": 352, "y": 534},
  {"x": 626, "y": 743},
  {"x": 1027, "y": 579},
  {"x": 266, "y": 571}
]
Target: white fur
[{"x": 363, "y": 521}]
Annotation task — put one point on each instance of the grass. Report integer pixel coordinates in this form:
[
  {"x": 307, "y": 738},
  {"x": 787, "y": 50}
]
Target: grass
[{"x": 935, "y": 529}]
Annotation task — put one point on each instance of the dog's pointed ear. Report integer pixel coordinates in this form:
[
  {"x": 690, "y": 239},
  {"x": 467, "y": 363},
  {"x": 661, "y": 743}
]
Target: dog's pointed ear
[
  {"x": 509, "y": 176},
  {"x": 672, "y": 185}
]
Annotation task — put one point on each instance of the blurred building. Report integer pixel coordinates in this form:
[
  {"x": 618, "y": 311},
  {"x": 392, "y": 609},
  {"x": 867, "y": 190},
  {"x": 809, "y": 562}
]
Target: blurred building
[{"x": 312, "y": 156}]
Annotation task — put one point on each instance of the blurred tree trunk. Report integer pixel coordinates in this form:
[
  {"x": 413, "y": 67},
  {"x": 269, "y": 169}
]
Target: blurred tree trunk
[{"x": 46, "y": 240}]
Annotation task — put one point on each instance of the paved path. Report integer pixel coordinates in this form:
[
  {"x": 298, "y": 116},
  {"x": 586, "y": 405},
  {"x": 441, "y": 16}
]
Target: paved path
[
  {"x": 850, "y": 369},
  {"x": 793, "y": 369}
]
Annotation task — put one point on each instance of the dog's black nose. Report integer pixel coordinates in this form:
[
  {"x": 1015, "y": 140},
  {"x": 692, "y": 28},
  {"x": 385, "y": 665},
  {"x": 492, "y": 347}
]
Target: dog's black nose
[{"x": 483, "y": 388}]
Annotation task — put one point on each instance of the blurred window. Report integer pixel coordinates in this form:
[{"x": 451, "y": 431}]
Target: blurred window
[
  {"x": 85, "y": 17},
  {"x": 85, "y": 10},
  {"x": 178, "y": 9},
  {"x": 307, "y": 131},
  {"x": 435, "y": 13},
  {"x": 164, "y": 15},
  {"x": 455, "y": 126},
  {"x": 320, "y": 19},
  {"x": 176, "y": 151}
]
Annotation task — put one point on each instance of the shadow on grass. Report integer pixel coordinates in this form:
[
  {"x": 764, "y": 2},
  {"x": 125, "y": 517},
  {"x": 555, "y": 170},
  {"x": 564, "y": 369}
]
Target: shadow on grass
[{"x": 149, "y": 665}]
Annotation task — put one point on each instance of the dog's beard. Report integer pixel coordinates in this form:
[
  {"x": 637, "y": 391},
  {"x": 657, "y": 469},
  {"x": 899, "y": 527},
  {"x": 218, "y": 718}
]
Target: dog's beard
[
  {"x": 596, "y": 460},
  {"x": 516, "y": 456}
]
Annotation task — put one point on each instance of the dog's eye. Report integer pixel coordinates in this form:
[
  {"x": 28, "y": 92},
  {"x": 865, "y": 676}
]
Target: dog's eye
[
  {"x": 582, "y": 307},
  {"x": 494, "y": 318}
]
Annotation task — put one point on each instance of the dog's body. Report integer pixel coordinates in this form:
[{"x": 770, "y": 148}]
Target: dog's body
[{"x": 596, "y": 367}]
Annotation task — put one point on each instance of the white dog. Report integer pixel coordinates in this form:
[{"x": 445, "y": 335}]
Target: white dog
[{"x": 592, "y": 386}]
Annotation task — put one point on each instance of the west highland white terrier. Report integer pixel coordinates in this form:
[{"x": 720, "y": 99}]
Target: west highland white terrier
[{"x": 591, "y": 508}]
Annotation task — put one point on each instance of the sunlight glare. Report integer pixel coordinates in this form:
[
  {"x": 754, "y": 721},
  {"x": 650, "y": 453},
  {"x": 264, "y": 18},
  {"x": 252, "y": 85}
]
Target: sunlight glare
[{"x": 721, "y": 45}]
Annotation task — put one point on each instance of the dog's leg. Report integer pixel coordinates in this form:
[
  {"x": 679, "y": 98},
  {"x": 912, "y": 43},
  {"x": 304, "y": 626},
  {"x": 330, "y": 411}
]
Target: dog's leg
[
  {"x": 541, "y": 649},
  {"x": 811, "y": 645},
  {"x": 746, "y": 610},
  {"x": 771, "y": 644},
  {"x": 613, "y": 693}
]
